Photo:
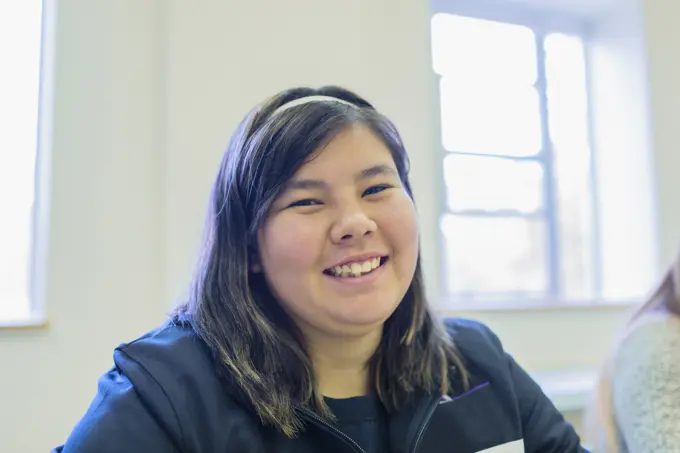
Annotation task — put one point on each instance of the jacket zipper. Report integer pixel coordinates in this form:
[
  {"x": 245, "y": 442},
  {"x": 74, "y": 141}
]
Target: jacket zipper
[
  {"x": 333, "y": 429},
  {"x": 421, "y": 431},
  {"x": 425, "y": 424}
]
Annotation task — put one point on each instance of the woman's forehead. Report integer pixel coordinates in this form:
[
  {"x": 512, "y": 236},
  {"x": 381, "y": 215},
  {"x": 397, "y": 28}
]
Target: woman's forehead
[{"x": 356, "y": 150}]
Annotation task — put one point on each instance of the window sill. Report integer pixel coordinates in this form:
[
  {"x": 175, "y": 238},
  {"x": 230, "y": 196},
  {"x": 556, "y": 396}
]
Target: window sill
[
  {"x": 569, "y": 390},
  {"x": 35, "y": 322},
  {"x": 453, "y": 304}
]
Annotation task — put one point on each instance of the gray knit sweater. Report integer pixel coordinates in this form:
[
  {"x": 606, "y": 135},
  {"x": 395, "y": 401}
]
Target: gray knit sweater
[{"x": 646, "y": 387}]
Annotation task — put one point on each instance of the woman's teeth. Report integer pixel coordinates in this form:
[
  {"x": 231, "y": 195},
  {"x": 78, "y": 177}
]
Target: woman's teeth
[{"x": 355, "y": 269}]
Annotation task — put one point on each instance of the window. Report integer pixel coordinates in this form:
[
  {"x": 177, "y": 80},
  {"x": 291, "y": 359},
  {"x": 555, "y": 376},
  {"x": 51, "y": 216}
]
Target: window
[
  {"x": 519, "y": 217},
  {"x": 20, "y": 81}
]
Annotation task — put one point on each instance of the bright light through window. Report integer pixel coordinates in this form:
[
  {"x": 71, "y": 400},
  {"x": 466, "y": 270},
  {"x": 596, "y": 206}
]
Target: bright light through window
[
  {"x": 20, "y": 53},
  {"x": 518, "y": 216}
]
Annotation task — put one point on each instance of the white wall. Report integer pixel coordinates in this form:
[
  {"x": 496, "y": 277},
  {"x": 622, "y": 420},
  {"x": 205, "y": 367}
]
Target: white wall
[
  {"x": 222, "y": 60},
  {"x": 147, "y": 94},
  {"x": 106, "y": 224},
  {"x": 663, "y": 38}
]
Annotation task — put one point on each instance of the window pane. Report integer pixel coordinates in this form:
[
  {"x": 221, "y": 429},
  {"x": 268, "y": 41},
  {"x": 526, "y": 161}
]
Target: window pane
[
  {"x": 494, "y": 255},
  {"x": 567, "y": 92},
  {"x": 568, "y": 126},
  {"x": 499, "y": 121},
  {"x": 492, "y": 184},
  {"x": 20, "y": 35},
  {"x": 475, "y": 49}
]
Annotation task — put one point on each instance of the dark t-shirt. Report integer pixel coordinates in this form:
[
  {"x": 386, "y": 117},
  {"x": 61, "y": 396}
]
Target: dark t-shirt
[{"x": 364, "y": 420}]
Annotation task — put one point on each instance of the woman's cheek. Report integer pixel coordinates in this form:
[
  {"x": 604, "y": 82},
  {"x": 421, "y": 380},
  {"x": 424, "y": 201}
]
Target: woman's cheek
[
  {"x": 294, "y": 239},
  {"x": 399, "y": 218}
]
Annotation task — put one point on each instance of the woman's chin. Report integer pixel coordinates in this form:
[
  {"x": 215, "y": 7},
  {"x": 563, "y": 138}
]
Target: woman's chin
[{"x": 373, "y": 313}]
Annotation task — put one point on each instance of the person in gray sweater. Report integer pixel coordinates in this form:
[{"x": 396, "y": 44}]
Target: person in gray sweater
[{"x": 638, "y": 397}]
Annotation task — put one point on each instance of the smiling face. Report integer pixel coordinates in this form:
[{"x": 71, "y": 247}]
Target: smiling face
[{"x": 340, "y": 244}]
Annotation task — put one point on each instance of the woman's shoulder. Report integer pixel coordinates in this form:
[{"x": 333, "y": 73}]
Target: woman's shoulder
[
  {"x": 170, "y": 344},
  {"x": 474, "y": 338},
  {"x": 665, "y": 321},
  {"x": 172, "y": 363},
  {"x": 646, "y": 360},
  {"x": 172, "y": 357},
  {"x": 481, "y": 349},
  {"x": 645, "y": 389},
  {"x": 651, "y": 330},
  {"x": 650, "y": 339}
]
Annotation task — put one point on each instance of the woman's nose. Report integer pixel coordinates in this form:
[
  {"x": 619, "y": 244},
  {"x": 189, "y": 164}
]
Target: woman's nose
[{"x": 352, "y": 226}]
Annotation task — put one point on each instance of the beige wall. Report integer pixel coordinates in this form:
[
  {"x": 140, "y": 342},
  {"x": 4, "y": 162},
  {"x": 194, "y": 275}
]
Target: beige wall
[
  {"x": 147, "y": 94},
  {"x": 104, "y": 283}
]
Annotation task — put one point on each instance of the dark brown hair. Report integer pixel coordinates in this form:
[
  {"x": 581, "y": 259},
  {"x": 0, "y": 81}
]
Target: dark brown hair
[{"x": 255, "y": 344}]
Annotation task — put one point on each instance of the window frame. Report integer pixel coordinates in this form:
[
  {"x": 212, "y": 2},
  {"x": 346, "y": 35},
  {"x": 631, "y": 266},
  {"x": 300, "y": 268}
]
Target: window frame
[{"x": 542, "y": 23}]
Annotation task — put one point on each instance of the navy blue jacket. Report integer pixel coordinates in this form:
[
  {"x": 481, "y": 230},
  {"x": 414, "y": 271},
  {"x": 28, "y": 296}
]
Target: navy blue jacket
[{"x": 164, "y": 395}]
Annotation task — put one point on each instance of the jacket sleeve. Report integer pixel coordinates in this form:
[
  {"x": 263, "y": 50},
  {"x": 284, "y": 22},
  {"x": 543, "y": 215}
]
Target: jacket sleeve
[
  {"x": 544, "y": 428},
  {"x": 130, "y": 413}
]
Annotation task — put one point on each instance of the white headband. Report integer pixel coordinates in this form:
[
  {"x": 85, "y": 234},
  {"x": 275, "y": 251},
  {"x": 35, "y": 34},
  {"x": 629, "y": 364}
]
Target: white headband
[{"x": 308, "y": 99}]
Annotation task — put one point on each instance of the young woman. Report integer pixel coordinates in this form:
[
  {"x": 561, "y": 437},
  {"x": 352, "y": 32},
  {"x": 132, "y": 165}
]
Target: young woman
[
  {"x": 638, "y": 400},
  {"x": 307, "y": 329}
]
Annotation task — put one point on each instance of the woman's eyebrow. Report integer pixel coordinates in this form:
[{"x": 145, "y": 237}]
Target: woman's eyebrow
[
  {"x": 377, "y": 170},
  {"x": 302, "y": 184}
]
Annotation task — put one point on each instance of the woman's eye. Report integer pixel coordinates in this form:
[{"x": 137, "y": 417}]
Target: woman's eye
[
  {"x": 376, "y": 189},
  {"x": 305, "y": 202}
]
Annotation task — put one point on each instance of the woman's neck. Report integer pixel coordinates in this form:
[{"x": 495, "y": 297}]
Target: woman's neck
[{"x": 342, "y": 365}]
